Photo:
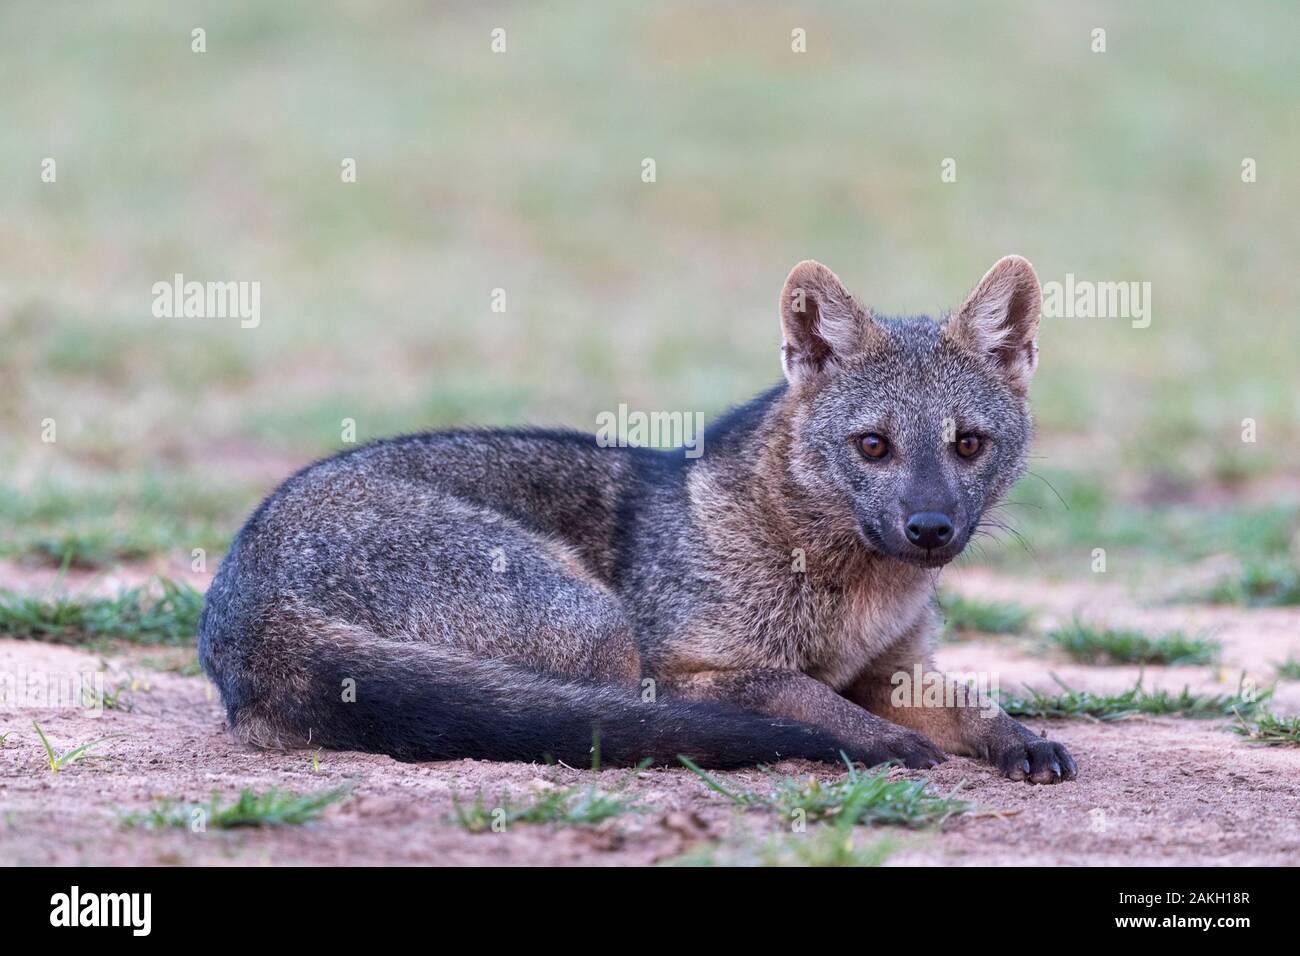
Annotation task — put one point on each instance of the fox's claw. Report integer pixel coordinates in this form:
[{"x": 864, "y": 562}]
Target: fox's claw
[{"x": 1036, "y": 760}]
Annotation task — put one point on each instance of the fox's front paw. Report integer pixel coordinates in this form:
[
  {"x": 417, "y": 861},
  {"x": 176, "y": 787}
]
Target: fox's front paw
[
  {"x": 1034, "y": 760},
  {"x": 907, "y": 747}
]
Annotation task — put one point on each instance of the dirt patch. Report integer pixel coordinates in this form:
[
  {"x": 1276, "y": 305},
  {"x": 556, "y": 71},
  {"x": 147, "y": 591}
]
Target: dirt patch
[
  {"x": 1254, "y": 641},
  {"x": 1151, "y": 791}
]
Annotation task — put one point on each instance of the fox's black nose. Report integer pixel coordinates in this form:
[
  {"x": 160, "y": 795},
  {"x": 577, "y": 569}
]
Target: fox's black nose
[{"x": 929, "y": 529}]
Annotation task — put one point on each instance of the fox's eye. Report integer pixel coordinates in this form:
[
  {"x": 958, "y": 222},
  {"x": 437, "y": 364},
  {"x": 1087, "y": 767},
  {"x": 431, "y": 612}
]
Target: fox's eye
[
  {"x": 874, "y": 446},
  {"x": 968, "y": 445}
]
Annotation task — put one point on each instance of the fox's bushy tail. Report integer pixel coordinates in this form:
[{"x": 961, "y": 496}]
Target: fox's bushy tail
[{"x": 343, "y": 688}]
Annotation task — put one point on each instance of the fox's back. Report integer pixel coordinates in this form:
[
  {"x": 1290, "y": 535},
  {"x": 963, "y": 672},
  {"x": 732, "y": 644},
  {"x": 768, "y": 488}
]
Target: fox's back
[{"x": 558, "y": 483}]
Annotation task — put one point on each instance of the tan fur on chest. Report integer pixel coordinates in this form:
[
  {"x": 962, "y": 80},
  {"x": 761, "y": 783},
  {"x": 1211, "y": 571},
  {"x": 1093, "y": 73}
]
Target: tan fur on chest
[
  {"x": 830, "y": 617},
  {"x": 830, "y": 630},
  {"x": 869, "y": 617}
]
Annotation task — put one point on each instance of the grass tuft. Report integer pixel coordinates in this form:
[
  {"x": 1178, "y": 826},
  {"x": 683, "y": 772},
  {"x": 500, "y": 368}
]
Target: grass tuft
[
  {"x": 963, "y": 615},
  {"x": 827, "y": 846},
  {"x": 167, "y": 614},
  {"x": 1269, "y": 730},
  {"x": 857, "y": 798},
  {"x": 121, "y": 697},
  {"x": 58, "y": 761},
  {"x": 184, "y": 665},
  {"x": 567, "y": 806},
  {"x": 1130, "y": 703},
  {"x": 273, "y": 808},
  {"x": 1091, "y": 645},
  {"x": 1288, "y": 669},
  {"x": 1274, "y": 583},
  {"x": 87, "y": 550}
]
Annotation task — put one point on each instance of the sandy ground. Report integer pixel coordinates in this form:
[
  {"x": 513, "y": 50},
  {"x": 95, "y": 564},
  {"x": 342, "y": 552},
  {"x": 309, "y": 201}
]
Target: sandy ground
[{"x": 1151, "y": 791}]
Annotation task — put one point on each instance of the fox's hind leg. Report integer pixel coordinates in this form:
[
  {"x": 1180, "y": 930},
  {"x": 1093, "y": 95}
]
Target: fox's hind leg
[
  {"x": 475, "y": 580},
  {"x": 536, "y": 606},
  {"x": 411, "y": 588}
]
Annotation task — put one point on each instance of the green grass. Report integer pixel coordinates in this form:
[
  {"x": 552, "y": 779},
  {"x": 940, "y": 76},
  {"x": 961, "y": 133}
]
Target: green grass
[
  {"x": 100, "y": 549},
  {"x": 121, "y": 697},
  {"x": 963, "y": 615},
  {"x": 1269, "y": 730},
  {"x": 1092, "y": 511},
  {"x": 856, "y": 798},
  {"x": 567, "y": 806},
  {"x": 186, "y": 665},
  {"x": 167, "y": 613},
  {"x": 1069, "y": 702},
  {"x": 1273, "y": 583},
  {"x": 1288, "y": 669},
  {"x": 270, "y": 808},
  {"x": 825, "y": 817},
  {"x": 1092, "y": 645},
  {"x": 822, "y": 846},
  {"x": 58, "y": 761},
  {"x": 119, "y": 518}
]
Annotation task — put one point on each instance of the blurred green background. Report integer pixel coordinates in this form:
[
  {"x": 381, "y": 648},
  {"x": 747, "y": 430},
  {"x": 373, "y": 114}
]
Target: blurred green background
[{"x": 522, "y": 171}]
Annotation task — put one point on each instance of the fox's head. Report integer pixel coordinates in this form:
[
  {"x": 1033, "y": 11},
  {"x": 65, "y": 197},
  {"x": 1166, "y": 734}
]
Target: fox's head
[{"x": 907, "y": 430}]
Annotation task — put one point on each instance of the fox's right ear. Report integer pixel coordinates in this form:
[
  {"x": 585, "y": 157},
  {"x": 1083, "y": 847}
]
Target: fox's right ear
[{"x": 820, "y": 321}]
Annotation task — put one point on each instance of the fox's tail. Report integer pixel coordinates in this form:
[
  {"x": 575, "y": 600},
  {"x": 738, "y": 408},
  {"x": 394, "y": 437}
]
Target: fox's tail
[{"x": 344, "y": 688}]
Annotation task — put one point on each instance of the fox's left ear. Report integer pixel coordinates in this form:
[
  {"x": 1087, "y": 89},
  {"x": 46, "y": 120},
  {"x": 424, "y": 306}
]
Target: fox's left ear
[{"x": 1000, "y": 320}]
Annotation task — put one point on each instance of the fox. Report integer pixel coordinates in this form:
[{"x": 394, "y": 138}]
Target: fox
[{"x": 531, "y": 594}]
